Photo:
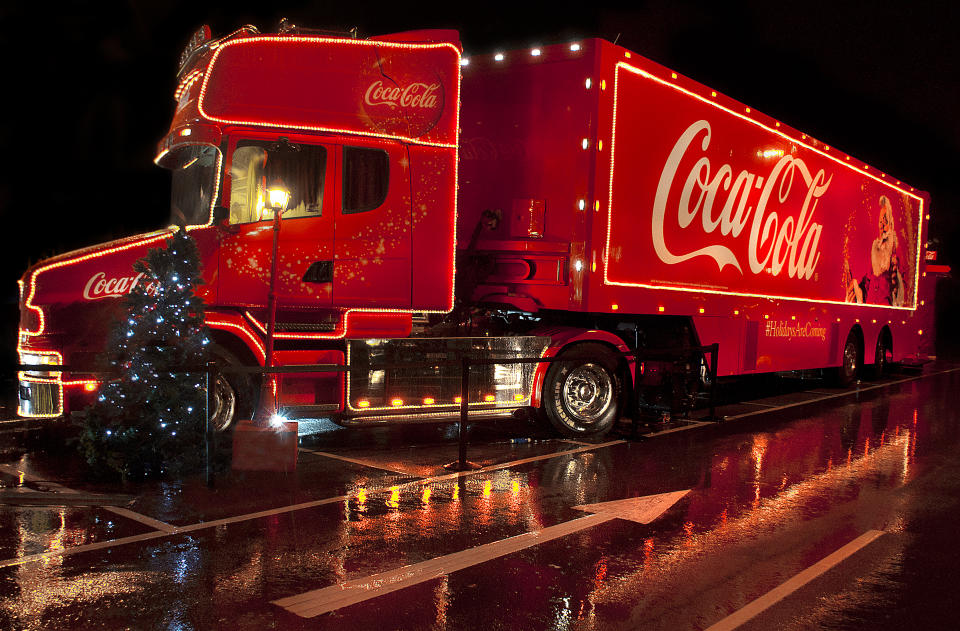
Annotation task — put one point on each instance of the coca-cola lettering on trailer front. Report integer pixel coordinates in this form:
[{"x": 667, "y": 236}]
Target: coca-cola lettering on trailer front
[{"x": 718, "y": 202}]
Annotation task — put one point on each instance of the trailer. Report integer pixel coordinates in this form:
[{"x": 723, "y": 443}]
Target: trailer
[{"x": 572, "y": 201}]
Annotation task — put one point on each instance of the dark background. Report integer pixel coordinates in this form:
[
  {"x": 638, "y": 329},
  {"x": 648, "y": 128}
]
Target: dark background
[{"x": 88, "y": 93}]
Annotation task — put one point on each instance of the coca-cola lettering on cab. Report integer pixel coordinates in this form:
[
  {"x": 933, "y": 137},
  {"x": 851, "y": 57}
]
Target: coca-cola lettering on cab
[
  {"x": 413, "y": 95},
  {"x": 99, "y": 286},
  {"x": 774, "y": 241}
]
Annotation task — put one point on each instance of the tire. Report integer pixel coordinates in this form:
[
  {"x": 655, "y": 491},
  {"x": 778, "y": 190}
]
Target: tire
[
  {"x": 581, "y": 397},
  {"x": 852, "y": 362},
  {"x": 234, "y": 395},
  {"x": 883, "y": 355}
]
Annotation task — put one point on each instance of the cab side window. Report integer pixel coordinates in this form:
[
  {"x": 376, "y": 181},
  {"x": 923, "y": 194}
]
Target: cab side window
[
  {"x": 257, "y": 165},
  {"x": 366, "y": 179}
]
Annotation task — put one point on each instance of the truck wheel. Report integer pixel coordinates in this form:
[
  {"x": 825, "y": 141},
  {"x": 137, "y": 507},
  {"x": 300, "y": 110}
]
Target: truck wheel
[
  {"x": 851, "y": 359},
  {"x": 581, "y": 397},
  {"x": 234, "y": 395},
  {"x": 882, "y": 357}
]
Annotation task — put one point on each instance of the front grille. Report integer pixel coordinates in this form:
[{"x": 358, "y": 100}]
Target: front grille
[{"x": 39, "y": 399}]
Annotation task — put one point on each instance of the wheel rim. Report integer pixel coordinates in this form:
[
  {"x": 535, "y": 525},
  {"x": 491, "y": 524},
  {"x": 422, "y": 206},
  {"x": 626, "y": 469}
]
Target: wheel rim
[
  {"x": 587, "y": 393},
  {"x": 224, "y": 404},
  {"x": 850, "y": 359}
]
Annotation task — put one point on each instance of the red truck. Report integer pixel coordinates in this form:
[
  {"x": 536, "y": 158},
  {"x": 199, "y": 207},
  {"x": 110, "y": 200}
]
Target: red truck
[{"x": 573, "y": 201}]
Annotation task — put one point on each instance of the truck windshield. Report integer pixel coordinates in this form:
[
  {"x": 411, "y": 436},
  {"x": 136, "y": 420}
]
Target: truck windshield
[{"x": 194, "y": 169}]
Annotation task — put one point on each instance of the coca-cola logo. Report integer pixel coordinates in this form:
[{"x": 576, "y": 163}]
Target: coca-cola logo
[
  {"x": 774, "y": 242},
  {"x": 413, "y": 95},
  {"x": 99, "y": 286}
]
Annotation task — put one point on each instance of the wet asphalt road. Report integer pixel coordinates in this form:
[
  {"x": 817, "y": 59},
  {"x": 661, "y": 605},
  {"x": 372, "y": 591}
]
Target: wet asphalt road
[{"x": 772, "y": 491}]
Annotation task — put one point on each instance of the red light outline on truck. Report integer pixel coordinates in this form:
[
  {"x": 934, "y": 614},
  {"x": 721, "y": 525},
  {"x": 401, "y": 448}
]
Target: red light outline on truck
[
  {"x": 698, "y": 290},
  {"x": 332, "y": 130}
]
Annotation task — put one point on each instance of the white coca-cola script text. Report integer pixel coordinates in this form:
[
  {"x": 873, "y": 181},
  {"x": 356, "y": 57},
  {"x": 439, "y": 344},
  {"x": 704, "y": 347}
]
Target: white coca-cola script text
[
  {"x": 775, "y": 241},
  {"x": 420, "y": 95},
  {"x": 99, "y": 286}
]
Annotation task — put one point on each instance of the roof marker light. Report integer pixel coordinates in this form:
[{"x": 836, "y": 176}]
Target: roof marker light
[
  {"x": 713, "y": 94},
  {"x": 574, "y": 47},
  {"x": 585, "y": 143},
  {"x": 498, "y": 57},
  {"x": 464, "y": 62},
  {"x": 535, "y": 52},
  {"x": 396, "y": 402},
  {"x": 673, "y": 75},
  {"x": 429, "y": 401},
  {"x": 588, "y": 82},
  {"x": 615, "y": 306},
  {"x": 582, "y": 204}
]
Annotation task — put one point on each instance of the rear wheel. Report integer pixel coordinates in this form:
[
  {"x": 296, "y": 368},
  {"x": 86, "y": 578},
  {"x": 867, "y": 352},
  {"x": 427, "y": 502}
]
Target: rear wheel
[
  {"x": 851, "y": 359},
  {"x": 882, "y": 357},
  {"x": 581, "y": 395}
]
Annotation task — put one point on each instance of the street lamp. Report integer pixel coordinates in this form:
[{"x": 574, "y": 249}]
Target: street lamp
[{"x": 278, "y": 197}]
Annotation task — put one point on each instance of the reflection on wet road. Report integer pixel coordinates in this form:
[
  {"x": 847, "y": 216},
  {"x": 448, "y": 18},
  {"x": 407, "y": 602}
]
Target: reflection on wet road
[{"x": 770, "y": 495}]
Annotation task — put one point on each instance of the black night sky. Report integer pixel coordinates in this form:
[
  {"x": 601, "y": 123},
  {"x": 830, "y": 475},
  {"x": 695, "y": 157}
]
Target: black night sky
[{"x": 88, "y": 90}]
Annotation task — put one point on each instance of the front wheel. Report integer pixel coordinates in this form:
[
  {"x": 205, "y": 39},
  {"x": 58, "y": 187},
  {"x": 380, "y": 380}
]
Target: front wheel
[
  {"x": 235, "y": 394},
  {"x": 581, "y": 394}
]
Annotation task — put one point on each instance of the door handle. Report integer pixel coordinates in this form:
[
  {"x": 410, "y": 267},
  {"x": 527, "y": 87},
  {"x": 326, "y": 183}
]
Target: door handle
[{"x": 319, "y": 272}]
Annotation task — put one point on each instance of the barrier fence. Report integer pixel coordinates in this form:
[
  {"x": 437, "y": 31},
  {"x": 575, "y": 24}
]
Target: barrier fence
[{"x": 211, "y": 372}]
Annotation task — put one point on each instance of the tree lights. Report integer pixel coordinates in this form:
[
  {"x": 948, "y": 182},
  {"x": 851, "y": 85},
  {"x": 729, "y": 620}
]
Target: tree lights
[{"x": 148, "y": 418}]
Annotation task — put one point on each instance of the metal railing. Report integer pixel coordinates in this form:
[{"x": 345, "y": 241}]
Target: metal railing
[{"x": 211, "y": 371}]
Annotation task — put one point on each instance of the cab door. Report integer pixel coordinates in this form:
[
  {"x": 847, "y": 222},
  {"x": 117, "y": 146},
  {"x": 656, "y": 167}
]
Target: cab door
[
  {"x": 372, "y": 249},
  {"x": 305, "y": 249}
]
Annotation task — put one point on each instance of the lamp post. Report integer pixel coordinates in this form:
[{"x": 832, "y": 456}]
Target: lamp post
[
  {"x": 278, "y": 198},
  {"x": 268, "y": 442}
]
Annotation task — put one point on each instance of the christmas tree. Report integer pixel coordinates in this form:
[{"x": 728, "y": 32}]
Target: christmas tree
[{"x": 149, "y": 417}]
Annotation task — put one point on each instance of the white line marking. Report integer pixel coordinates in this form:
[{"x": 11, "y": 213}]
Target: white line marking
[
  {"x": 116, "y": 510},
  {"x": 362, "y": 463},
  {"x": 682, "y": 428},
  {"x": 326, "y": 599},
  {"x": 295, "y": 507},
  {"x": 783, "y": 590},
  {"x": 232, "y": 520},
  {"x": 571, "y": 441},
  {"x": 87, "y": 547}
]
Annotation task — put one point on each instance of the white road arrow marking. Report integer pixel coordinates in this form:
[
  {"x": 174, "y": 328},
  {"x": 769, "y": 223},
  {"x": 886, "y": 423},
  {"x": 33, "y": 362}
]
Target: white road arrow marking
[
  {"x": 357, "y": 590},
  {"x": 640, "y": 509}
]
